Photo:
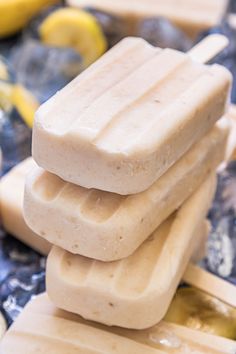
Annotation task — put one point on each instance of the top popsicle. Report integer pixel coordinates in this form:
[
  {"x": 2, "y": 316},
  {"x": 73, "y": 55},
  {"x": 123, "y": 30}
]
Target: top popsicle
[
  {"x": 133, "y": 113},
  {"x": 192, "y": 16}
]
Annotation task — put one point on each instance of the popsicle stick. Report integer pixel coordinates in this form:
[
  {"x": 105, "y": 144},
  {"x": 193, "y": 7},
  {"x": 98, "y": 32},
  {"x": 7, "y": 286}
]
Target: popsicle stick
[
  {"x": 211, "y": 284},
  {"x": 208, "y": 48}
]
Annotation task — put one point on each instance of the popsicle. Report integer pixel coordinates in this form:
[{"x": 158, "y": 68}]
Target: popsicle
[
  {"x": 192, "y": 16},
  {"x": 128, "y": 118},
  {"x": 134, "y": 292},
  {"x": 108, "y": 226},
  {"x": 11, "y": 207},
  {"x": 42, "y": 328},
  {"x": 231, "y": 148}
]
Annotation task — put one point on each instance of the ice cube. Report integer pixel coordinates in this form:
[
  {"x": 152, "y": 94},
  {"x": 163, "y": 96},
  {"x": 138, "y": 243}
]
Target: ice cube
[
  {"x": 115, "y": 28},
  {"x": 15, "y": 139},
  {"x": 162, "y": 33},
  {"x": 43, "y": 69},
  {"x": 221, "y": 253}
]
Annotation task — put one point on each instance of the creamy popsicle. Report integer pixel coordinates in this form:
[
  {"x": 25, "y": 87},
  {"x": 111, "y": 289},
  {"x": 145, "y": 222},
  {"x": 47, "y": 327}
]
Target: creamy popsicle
[
  {"x": 192, "y": 16},
  {"x": 42, "y": 328},
  {"x": 136, "y": 291},
  {"x": 231, "y": 148},
  {"x": 107, "y": 226},
  {"x": 129, "y": 117},
  {"x": 11, "y": 207}
]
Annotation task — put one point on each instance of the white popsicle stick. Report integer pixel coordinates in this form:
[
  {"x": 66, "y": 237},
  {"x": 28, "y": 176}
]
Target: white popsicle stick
[
  {"x": 208, "y": 48},
  {"x": 211, "y": 284}
]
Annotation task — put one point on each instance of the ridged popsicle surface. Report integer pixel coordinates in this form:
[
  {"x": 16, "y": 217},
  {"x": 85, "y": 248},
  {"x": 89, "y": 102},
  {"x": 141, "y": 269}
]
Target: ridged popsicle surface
[
  {"x": 108, "y": 226},
  {"x": 134, "y": 292},
  {"x": 123, "y": 122}
]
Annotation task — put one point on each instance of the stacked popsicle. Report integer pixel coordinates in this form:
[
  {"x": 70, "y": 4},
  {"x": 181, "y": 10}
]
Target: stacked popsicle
[
  {"x": 128, "y": 153},
  {"x": 192, "y": 16},
  {"x": 126, "y": 144}
]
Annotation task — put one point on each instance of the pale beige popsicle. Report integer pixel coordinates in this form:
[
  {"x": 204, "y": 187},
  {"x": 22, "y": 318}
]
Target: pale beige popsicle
[
  {"x": 137, "y": 291},
  {"x": 42, "y": 328},
  {"x": 107, "y": 226},
  {"x": 124, "y": 121},
  {"x": 11, "y": 207},
  {"x": 192, "y": 16},
  {"x": 231, "y": 148}
]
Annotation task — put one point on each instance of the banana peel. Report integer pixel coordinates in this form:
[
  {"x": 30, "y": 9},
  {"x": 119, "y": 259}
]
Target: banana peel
[
  {"x": 77, "y": 29},
  {"x": 15, "y": 14},
  {"x": 198, "y": 310}
]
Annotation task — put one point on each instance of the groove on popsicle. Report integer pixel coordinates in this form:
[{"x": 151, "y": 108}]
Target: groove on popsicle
[
  {"x": 73, "y": 195},
  {"x": 102, "y": 273},
  {"x": 179, "y": 108},
  {"x": 75, "y": 269},
  {"x": 100, "y": 206},
  {"x": 137, "y": 52},
  {"x": 136, "y": 271},
  {"x": 91, "y": 204},
  {"x": 128, "y": 277},
  {"x": 48, "y": 186},
  {"x": 127, "y": 127},
  {"x": 125, "y": 93}
]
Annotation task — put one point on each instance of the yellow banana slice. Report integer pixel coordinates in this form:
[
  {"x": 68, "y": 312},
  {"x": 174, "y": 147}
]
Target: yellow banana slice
[
  {"x": 15, "y": 14},
  {"x": 195, "y": 309},
  {"x": 25, "y": 103},
  {"x": 68, "y": 27},
  {"x": 5, "y": 96}
]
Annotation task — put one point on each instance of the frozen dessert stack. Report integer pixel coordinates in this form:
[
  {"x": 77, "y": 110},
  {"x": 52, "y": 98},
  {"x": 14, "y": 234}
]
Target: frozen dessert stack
[{"x": 127, "y": 154}]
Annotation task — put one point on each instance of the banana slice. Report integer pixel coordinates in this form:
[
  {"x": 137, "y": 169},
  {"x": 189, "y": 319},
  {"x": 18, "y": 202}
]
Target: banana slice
[
  {"x": 5, "y": 96},
  {"x": 197, "y": 310},
  {"x": 18, "y": 96},
  {"x": 25, "y": 103},
  {"x": 68, "y": 27},
  {"x": 3, "y": 326},
  {"x": 15, "y": 14}
]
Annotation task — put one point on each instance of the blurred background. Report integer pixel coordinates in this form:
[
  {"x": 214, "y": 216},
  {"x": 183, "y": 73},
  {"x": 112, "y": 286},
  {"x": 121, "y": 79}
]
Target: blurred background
[{"x": 44, "y": 44}]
